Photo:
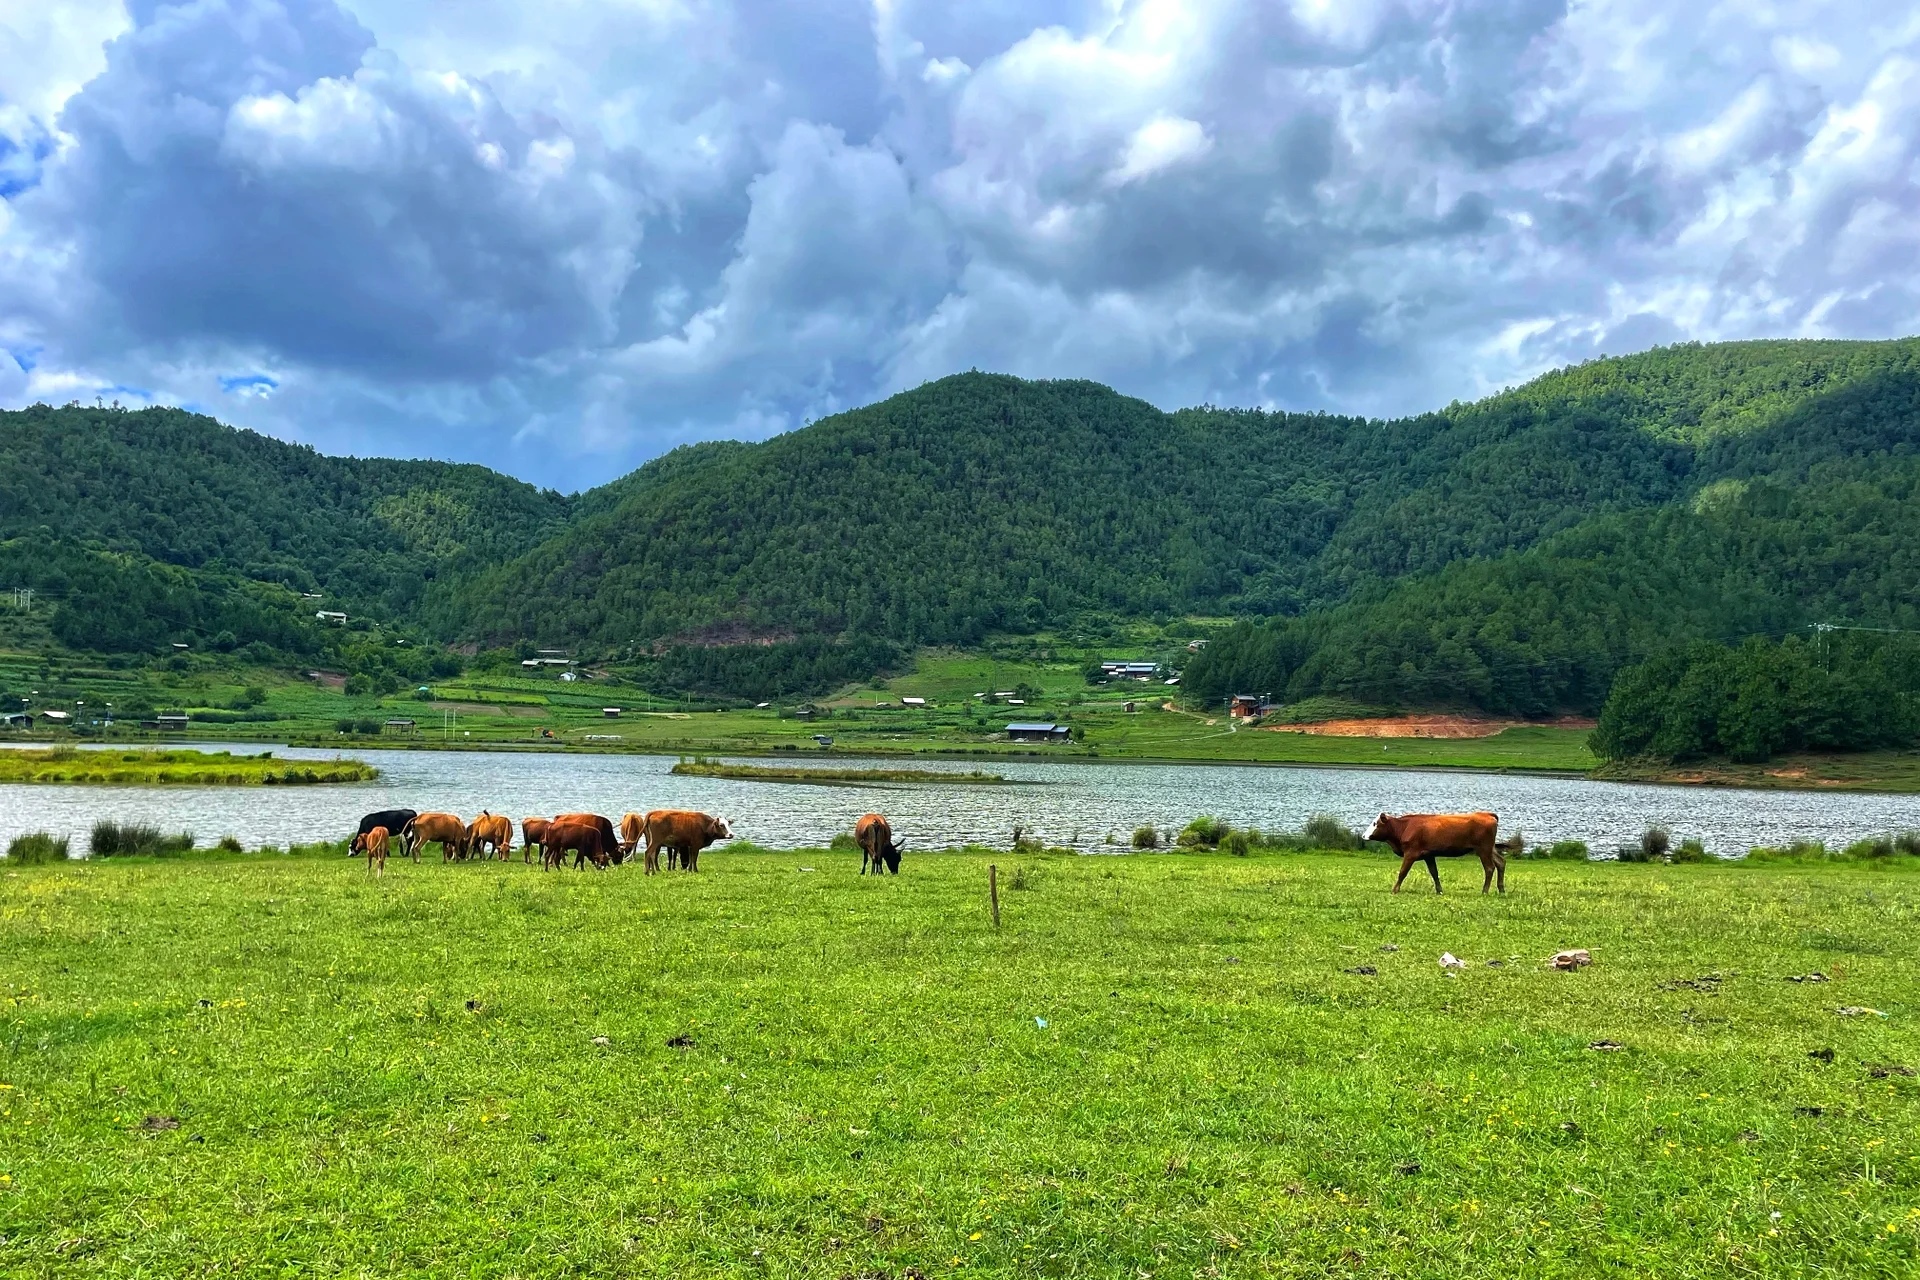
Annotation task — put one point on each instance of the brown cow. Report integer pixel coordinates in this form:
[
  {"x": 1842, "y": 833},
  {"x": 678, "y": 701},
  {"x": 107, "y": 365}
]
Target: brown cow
[
  {"x": 632, "y": 828},
  {"x": 683, "y": 831},
  {"x": 532, "y": 832},
  {"x": 609, "y": 837},
  {"x": 374, "y": 845},
  {"x": 444, "y": 829},
  {"x": 490, "y": 835},
  {"x": 585, "y": 840},
  {"x": 1422, "y": 837},
  {"x": 877, "y": 845}
]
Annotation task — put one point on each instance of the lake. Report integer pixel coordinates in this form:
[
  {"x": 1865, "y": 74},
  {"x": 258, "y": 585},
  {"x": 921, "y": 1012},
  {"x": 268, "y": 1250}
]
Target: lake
[{"x": 1082, "y": 805}]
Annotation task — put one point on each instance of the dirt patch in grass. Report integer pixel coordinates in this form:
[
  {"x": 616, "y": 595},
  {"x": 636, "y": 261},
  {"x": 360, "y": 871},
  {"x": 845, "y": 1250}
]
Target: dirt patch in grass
[{"x": 1427, "y": 726}]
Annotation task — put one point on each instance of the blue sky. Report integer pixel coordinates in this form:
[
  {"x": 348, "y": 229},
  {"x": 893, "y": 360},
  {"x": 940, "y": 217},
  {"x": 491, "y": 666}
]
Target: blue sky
[{"x": 562, "y": 236}]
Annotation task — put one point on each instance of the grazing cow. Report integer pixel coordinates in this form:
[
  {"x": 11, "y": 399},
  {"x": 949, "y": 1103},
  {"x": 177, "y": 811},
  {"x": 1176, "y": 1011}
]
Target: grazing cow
[
  {"x": 609, "y": 838},
  {"x": 532, "y": 832},
  {"x": 632, "y": 827},
  {"x": 393, "y": 820},
  {"x": 683, "y": 831},
  {"x": 374, "y": 843},
  {"x": 877, "y": 844},
  {"x": 443, "y": 829},
  {"x": 587, "y": 841},
  {"x": 490, "y": 835},
  {"x": 1422, "y": 837}
]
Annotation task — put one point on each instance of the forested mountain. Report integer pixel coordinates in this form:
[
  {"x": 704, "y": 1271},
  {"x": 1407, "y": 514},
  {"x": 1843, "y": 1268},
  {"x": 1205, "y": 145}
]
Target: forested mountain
[
  {"x": 1512, "y": 553},
  {"x": 183, "y": 489},
  {"x": 981, "y": 503},
  {"x": 1812, "y": 515}
]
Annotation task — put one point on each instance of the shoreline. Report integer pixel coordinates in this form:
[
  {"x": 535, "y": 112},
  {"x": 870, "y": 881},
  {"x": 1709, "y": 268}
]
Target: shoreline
[{"x": 1715, "y": 775}]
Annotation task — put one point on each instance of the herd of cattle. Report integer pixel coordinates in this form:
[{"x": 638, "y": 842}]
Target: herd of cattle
[
  {"x": 679, "y": 833},
  {"x": 682, "y": 833}
]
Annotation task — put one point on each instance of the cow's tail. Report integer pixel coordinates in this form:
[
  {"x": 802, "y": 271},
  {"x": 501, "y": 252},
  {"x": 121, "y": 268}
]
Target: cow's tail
[{"x": 1512, "y": 847}]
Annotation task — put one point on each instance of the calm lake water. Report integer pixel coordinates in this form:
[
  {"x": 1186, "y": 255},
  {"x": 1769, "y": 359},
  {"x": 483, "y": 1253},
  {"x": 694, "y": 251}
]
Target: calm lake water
[{"x": 1080, "y": 805}]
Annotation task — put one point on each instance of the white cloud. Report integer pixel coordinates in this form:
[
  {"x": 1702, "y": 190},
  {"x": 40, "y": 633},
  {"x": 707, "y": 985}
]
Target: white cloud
[
  {"x": 1161, "y": 143},
  {"x": 562, "y": 235}
]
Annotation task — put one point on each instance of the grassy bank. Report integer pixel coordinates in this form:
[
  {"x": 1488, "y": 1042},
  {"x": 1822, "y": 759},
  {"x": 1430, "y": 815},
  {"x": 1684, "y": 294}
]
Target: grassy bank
[
  {"x": 1167, "y": 1065},
  {"x": 544, "y": 713},
  {"x": 174, "y": 768},
  {"x": 1890, "y": 771},
  {"x": 823, "y": 775}
]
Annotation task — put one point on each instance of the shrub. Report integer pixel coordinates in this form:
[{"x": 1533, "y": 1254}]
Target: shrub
[
  {"x": 1145, "y": 837},
  {"x": 1324, "y": 831},
  {"x": 1204, "y": 832},
  {"x": 36, "y": 849},
  {"x": 131, "y": 839},
  {"x": 1020, "y": 879},
  {"x": 1888, "y": 846},
  {"x": 1238, "y": 843},
  {"x": 1653, "y": 846},
  {"x": 230, "y": 844},
  {"x": 1568, "y": 850},
  {"x": 1798, "y": 851},
  {"x": 371, "y": 728},
  {"x": 1690, "y": 850},
  {"x": 843, "y": 843}
]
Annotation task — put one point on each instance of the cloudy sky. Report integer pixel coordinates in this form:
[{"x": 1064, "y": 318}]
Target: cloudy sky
[{"x": 562, "y": 236}]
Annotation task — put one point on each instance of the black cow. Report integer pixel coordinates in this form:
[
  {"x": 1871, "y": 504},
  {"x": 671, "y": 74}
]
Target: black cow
[{"x": 396, "y": 821}]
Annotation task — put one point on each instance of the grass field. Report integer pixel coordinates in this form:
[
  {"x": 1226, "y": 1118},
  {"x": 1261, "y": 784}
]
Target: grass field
[
  {"x": 1161, "y": 1066},
  {"x": 174, "y": 768}
]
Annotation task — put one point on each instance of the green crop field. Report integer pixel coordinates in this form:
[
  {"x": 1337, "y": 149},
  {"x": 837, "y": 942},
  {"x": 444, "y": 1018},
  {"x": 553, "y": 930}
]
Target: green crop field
[{"x": 1162, "y": 1065}]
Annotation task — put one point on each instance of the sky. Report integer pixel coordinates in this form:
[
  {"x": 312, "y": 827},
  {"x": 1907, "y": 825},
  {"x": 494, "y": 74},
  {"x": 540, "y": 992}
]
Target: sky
[{"x": 561, "y": 237}]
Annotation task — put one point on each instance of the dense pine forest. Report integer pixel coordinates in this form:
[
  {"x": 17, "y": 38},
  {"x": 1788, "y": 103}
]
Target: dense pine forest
[{"x": 1514, "y": 554}]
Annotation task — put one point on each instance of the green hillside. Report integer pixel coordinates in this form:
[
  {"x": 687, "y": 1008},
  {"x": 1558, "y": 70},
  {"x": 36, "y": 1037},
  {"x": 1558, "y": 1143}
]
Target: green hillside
[
  {"x": 982, "y": 503},
  {"x": 1512, "y": 553},
  {"x": 371, "y": 534}
]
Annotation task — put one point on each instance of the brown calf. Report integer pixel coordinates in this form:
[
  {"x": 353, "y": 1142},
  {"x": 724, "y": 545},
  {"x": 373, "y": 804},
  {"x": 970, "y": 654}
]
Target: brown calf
[
  {"x": 585, "y": 840},
  {"x": 877, "y": 845},
  {"x": 683, "y": 831},
  {"x": 532, "y": 832},
  {"x": 490, "y": 835},
  {"x": 444, "y": 829},
  {"x": 374, "y": 845},
  {"x": 1422, "y": 837}
]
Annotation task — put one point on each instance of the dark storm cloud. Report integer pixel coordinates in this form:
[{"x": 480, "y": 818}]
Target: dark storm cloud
[{"x": 563, "y": 236}]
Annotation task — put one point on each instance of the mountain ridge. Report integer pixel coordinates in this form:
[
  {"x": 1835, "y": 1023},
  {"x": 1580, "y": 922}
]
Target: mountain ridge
[{"x": 982, "y": 503}]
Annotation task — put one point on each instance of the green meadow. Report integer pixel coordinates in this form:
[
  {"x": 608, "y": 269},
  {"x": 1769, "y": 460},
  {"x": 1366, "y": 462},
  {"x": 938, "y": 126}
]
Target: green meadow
[
  {"x": 1162, "y": 1065},
  {"x": 540, "y": 711},
  {"x": 174, "y": 768}
]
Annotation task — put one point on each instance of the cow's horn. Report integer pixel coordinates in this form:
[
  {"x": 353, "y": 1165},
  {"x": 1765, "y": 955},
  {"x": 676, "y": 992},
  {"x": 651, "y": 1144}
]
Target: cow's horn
[{"x": 899, "y": 844}]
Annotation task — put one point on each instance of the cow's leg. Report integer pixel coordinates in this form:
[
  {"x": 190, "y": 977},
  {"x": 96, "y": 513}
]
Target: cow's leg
[
  {"x": 1500, "y": 868},
  {"x": 1486, "y": 864},
  {"x": 1406, "y": 865},
  {"x": 1433, "y": 869}
]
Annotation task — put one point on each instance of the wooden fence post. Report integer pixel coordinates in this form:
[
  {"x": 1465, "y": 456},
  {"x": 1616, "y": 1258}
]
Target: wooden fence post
[{"x": 993, "y": 892}]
